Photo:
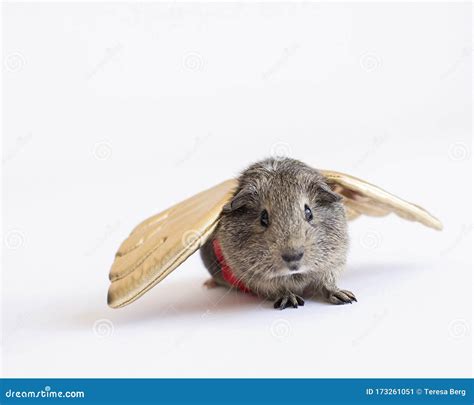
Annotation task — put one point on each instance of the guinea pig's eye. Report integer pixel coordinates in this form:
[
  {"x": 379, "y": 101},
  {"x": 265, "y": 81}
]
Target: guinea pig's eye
[
  {"x": 264, "y": 218},
  {"x": 308, "y": 213}
]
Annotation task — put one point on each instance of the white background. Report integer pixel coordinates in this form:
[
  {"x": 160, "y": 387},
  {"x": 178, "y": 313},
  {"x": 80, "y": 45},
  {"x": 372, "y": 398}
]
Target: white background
[{"x": 115, "y": 112}]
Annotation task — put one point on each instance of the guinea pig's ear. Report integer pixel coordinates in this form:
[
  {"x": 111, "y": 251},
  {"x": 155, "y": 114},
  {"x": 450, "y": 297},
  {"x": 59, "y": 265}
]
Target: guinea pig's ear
[
  {"x": 243, "y": 198},
  {"x": 324, "y": 193}
]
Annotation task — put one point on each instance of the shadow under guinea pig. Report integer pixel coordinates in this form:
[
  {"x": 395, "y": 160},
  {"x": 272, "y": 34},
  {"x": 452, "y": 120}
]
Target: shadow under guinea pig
[
  {"x": 175, "y": 299},
  {"x": 169, "y": 300}
]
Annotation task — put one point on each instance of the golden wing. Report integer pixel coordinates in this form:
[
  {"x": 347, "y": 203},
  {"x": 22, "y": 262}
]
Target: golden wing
[
  {"x": 364, "y": 198},
  {"x": 161, "y": 243}
]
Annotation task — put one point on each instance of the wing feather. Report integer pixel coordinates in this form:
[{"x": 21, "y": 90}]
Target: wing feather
[
  {"x": 362, "y": 198},
  {"x": 161, "y": 243}
]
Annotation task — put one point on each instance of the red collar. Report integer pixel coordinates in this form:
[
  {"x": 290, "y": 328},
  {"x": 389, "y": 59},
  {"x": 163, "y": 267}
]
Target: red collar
[{"x": 227, "y": 272}]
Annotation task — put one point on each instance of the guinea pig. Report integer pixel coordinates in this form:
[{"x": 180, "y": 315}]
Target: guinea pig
[{"x": 283, "y": 236}]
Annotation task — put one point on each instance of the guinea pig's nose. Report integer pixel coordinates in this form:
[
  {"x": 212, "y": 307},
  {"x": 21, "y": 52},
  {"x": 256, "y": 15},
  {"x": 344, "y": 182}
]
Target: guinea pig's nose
[{"x": 292, "y": 256}]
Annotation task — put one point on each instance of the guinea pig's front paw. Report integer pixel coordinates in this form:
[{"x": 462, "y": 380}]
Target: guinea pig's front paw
[
  {"x": 288, "y": 300},
  {"x": 339, "y": 297}
]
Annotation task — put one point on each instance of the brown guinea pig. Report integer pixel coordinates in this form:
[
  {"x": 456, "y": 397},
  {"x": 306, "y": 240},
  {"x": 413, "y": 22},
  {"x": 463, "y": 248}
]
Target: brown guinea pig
[{"x": 283, "y": 236}]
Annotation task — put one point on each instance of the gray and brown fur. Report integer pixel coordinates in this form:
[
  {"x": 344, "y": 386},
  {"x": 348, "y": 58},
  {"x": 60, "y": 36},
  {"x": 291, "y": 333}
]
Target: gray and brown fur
[{"x": 256, "y": 253}]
